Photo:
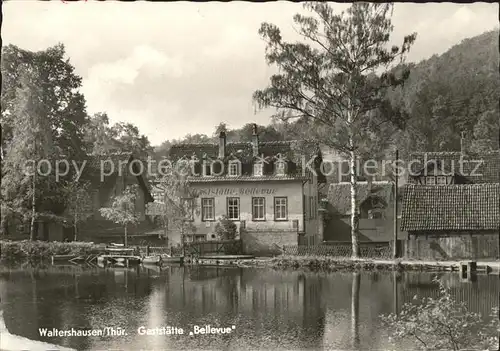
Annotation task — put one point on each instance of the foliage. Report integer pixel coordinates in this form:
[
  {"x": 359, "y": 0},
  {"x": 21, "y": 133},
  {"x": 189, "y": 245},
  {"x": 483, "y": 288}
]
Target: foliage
[
  {"x": 486, "y": 130},
  {"x": 26, "y": 195},
  {"x": 451, "y": 93},
  {"x": 336, "y": 82},
  {"x": 225, "y": 229},
  {"x": 64, "y": 106},
  {"x": 79, "y": 206},
  {"x": 443, "y": 324},
  {"x": 101, "y": 138},
  {"x": 179, "y": 198},
  {"x": 41, "y": 251},
  {"x": 122, "y": 210}
]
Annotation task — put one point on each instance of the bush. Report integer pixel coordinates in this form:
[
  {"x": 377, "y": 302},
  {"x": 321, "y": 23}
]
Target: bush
[
  {"x": 443, "y": 324},
  {"x": 225, "y": 229},
  {"x": 39, "y": 251}
]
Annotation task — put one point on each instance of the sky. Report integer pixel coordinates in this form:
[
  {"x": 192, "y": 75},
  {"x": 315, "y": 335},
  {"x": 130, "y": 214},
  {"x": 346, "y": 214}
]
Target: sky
[{"x": 184, "y": 67}]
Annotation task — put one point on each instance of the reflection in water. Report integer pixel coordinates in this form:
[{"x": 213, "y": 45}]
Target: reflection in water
[
  {"x": 356, "y": 282},
  {"x": 282, "y": 310}
]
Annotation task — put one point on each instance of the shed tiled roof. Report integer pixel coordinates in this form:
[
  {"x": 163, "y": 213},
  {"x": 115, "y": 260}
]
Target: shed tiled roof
[
  {"x": 452, "y": 207},
  {"x": 339, "y": 195},
  {"x": 487, "y": 171}
]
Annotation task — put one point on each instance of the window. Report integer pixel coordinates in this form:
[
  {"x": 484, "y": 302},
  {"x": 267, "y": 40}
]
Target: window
[
  {"x": 311, "y": 208},
  {"x": 234, "y": 168},
  {"x": 280, "y": 209},
  {"x": 159, "y": 197},
  {"x": 200, "y": 237},
  {"x": 258, "y": 209},
  {"x": 233, "y": 208},
  {"x": 430, "y": 180},
  {"x": 207, "y": 209},
  {"x": 280, "y": 168},
  {"x": 258, "y": 169},
  {"x": 207, "y": 169},
  {"x": 441, "y": 180}
]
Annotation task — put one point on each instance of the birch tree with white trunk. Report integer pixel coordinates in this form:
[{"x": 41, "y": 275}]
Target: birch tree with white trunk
[{"x": 337, "y": 79}]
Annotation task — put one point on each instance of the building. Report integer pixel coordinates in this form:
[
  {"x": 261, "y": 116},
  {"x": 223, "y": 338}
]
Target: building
[
  {"x": 451, "y": 205},
  {"x": 375, "y": 196},
  {"x": 110, "y": 175},
  {"x": 269, "y": 190}
]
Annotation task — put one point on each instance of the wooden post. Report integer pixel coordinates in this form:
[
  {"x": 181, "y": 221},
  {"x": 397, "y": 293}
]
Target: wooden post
[{"x": 395, "y": 249}]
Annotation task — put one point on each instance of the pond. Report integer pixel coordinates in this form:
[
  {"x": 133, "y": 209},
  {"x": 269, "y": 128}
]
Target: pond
[{"x": 262, "y": 309}]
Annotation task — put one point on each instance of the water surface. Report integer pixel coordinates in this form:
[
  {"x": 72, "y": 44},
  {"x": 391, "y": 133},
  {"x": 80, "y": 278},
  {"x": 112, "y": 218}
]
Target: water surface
[{"x": 269, "y": 309}]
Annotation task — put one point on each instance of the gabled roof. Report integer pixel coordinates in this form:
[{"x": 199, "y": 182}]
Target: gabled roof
[
  {"x": 111, "y": 162},
  {"x": 291, "y": 149},
  {"x": 476, "y": 167},
  {"x": 295, "y": 153},
  {"x": 339, "y": 195},
  {"x": 451, "y": 207}
]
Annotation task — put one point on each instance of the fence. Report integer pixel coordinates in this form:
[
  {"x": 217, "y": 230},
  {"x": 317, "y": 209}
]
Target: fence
[
  {"x": 341, "y": 249},
  {"x": 160, "y": 250},
  {"x": 227, "y": 247}
]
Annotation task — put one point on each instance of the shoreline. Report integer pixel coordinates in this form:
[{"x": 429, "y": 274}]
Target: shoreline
[
  {"x": 41, "y": 252},
  {"x": 349, "y": 264}
]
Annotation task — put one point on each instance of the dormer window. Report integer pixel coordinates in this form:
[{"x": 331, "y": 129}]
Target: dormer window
[
  {"x": 207, "y": 169},
  {"x": 159, "y": 197},
  {"x": 234, "y": 168},
  {"x": 430, "y": 180},
  {"x": 441, "y": 180},
  {"x": 280, "y": 168},
  {"x": 258, "y": 169}
]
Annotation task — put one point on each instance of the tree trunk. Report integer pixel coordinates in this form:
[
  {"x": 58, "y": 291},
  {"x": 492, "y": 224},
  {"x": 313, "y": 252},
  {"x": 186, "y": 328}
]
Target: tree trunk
[
  {"x": 33, "y": 209},
  {"x": 354, "y": 206},
  {"x": 126, "y": 237},
  {"x": 356, "y": 282},
  {"x": 76, "y": 222}
]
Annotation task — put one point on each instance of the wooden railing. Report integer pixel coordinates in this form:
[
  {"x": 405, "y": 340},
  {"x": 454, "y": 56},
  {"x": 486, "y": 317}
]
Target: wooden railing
[
  {"x": 199, "y": 248},
  {"x": 223, "y": 247}
]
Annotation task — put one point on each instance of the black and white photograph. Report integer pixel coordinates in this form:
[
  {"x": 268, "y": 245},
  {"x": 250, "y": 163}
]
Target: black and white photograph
[{"x": 181, "y": 175}]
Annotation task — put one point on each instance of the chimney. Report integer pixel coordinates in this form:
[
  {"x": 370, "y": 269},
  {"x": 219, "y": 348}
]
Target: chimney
[
  {"x": 255, "y": 141},
  {"x": 222, "y": 145},
  {"x": 463, "y": 145}
]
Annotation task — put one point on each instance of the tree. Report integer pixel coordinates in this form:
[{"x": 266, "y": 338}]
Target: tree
[
  {"x": 225, "y": 229},
  {"x": 64, "y": 106},
  {"x": 330, "y": 82},
  {"x": 128, "y": 138},
  {"x": 122, "y": 210},
  {"x": 486, "y": 132},
  {"x": 97, "y": 135},
  {"x": 101, "y": 138},
  {"x": 179, "y": 198},
  {"x": 31, "y": 141},
  {"x": 443, "y": 324},
  {"x": 79, "y": 205}
]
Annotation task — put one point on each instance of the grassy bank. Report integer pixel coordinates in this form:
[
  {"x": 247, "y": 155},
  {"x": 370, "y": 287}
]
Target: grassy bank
[
  {"x": 341, "y": 263},
  {"x": 316, "y": 263},
  {"x": 41, "y": 251}
]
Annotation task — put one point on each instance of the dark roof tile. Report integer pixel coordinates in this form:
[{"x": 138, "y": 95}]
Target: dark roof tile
[
  {"x": 451, "y": 207},
  {"x": 477, "y": 168},
  {"x": 339, "y": 195}
]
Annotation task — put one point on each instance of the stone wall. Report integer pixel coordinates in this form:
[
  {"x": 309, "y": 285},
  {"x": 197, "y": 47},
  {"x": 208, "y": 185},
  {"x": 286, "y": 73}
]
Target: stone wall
[
  {"x": 453, "y": 245},
  {"x": 267, "y": 243}
]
